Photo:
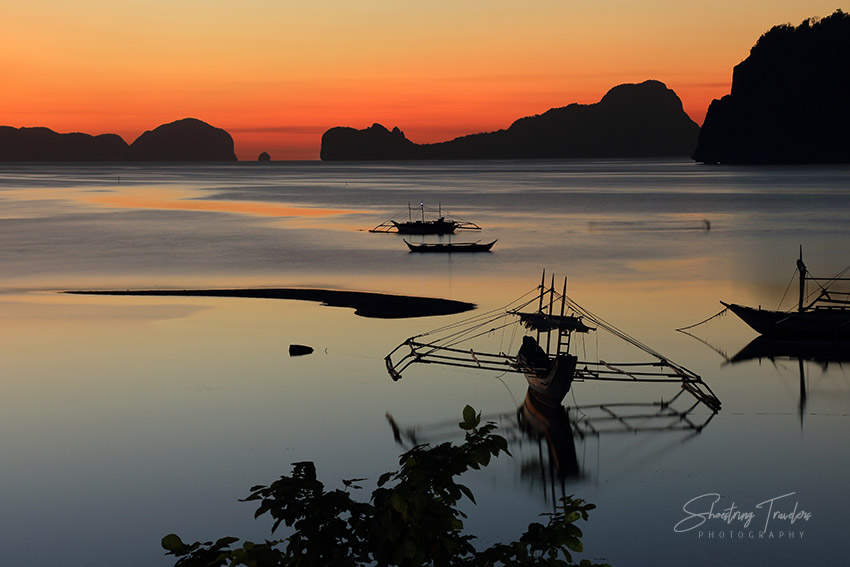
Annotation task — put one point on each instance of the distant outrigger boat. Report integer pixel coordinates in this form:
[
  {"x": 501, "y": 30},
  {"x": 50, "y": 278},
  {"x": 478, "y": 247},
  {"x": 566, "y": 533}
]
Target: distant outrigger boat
[
  {"x": 449, "y": 247},
  {"x": 827, "y": 316},
  {"x": 544, "y": 357},
  {"x": 439, "y": 225}
]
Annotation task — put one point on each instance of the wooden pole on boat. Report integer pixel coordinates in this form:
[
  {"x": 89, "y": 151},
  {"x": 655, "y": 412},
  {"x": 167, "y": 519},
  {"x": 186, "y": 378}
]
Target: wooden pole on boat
[
  {"x": 551, "y": 300},
  {"x": 540, "y": 306},
  {"x": 802, "y": 390},
  {"x": 560, "y": 334},
  {"x": 801, "y": 267}
]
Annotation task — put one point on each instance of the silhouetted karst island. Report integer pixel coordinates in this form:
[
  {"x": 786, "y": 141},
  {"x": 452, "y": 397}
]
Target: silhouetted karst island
[
  {"x": 189, "y": 139},
  {"x": 43, "y": 144},
  {"x": 631, "y": 120},
  {"x": 184, "y": 140},
  {"x": 264, "y": 157},
  {"x": 790, "y": 99},
  {"x": 375, "y": 142}
]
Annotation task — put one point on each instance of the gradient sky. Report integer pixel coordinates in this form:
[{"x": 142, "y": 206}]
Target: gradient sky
[{"x": 277, "y": 74}]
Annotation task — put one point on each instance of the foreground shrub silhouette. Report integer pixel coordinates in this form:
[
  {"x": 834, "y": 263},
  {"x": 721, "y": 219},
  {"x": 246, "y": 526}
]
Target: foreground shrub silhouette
[{"x": 411, "y": 520}]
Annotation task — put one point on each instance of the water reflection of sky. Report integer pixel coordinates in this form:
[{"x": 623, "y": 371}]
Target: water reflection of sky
[{"x": 133, "y": 417}]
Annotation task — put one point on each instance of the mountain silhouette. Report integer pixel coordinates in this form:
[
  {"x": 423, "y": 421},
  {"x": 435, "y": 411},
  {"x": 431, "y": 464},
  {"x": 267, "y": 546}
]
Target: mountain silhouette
[
  {"x": 790, "y": 99},
  {"x": 631, "y": 120},
  {"x": 183, "y": 140},
  {"x": 43, "y": 144}
]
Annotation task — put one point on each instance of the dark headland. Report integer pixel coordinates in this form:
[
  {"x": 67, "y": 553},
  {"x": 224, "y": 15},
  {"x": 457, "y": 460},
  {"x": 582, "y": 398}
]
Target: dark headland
[
  {"x": 790, "y": 99},
  {"x": 631, "y": 120},
  {"x": 365, "y": 304},
  {"x": 188, "y": 139}
]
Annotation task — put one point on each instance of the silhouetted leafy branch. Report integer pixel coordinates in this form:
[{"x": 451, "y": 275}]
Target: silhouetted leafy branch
[{"x": 411, "y": 520}]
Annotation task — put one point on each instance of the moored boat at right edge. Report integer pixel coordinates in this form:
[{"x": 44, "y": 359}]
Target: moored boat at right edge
[{"x": 823, "y": 315}]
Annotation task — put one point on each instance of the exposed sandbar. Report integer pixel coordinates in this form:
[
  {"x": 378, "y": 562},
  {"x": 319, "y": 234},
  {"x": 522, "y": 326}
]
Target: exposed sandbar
[{"x": 365, "y": 304}]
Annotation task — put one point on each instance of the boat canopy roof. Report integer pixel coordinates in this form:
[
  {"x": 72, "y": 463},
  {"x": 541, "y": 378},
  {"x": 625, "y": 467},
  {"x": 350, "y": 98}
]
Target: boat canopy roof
[{"x": 543, "y": 322}]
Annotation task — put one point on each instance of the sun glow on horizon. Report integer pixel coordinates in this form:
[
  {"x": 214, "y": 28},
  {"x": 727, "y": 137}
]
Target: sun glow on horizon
[
  {"x": 278, "y": 75},
  {"x": 186, "y": 200}
]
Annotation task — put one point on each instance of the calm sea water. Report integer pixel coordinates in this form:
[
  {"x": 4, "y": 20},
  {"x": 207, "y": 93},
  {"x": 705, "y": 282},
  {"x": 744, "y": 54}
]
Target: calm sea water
[{"x": 126, "y": 418}]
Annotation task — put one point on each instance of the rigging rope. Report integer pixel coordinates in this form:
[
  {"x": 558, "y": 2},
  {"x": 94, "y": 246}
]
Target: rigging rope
[
  {"x": 615, "y": 331},
  {"x": 708, "y": 344},
  {"x": 796, "y": 271},
  {"x": 722, "y": 312},
  {"x": 829, "y": 281},
  {"x": 481, "y": 316},
  {"x": 823, "y": 287}
]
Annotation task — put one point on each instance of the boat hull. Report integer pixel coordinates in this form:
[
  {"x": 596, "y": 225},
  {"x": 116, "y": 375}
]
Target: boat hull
[
  {"x": 550, "y": 384},
  {"x": 815, "y": 323},
  {"x": 450, "y": 248}
]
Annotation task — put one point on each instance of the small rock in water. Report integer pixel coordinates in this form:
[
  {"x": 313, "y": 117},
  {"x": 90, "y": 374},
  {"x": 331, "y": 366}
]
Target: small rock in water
[{"x": 299, "y": 350}]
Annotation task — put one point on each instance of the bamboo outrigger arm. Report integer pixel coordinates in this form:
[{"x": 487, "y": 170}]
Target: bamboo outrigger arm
[
  {"x": 659, "y": 371},
  {"x": 429, "y": 354}
]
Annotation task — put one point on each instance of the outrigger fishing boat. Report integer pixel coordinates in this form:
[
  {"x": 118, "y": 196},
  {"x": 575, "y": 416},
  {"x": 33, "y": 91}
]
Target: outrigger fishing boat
[
  {"x": 438, "y": 225},
  {"x": 449, "y": 247},
  {"x": 550, "y": 320},
  {"x": 823, "y": 314}
]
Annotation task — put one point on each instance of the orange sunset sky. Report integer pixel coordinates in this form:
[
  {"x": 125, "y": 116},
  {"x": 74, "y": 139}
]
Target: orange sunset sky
[{"x": 276, "y": 74}]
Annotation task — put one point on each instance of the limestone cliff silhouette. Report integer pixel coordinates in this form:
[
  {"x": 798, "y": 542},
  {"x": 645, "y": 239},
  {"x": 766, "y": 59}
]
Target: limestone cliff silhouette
[
  {"x": 631, "y": 120},
  {"x": 790, "y": 99},
  {"x": 183, "y": 140},
  {"x": 373, "y": 143},
  {"x": 43, "y": 144}
]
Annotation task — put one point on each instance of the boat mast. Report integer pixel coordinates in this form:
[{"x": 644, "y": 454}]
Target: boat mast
[
  {"x": 802, "y": 390},
  {"x": 409, "y": 213},
  {"x": 422, "y": 208},
  {"x": 540, "y": 307},
  {"x": 801, "y": 267},
  {"x": 560, "y": 333},
  {"x": 551, "y": 300}
]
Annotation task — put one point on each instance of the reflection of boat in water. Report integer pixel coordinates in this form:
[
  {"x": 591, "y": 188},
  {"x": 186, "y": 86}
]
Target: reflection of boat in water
[
  {"x": 553, "y": 459},
  {"x": 545, "y": 357},
  {"x": 438, "y": 225},
  {"x": 450, "y": 247},
  {"x": 543, "y": 422},
  {"x": 821, "y": 352},
  {"x": 825, "y": 316}
]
